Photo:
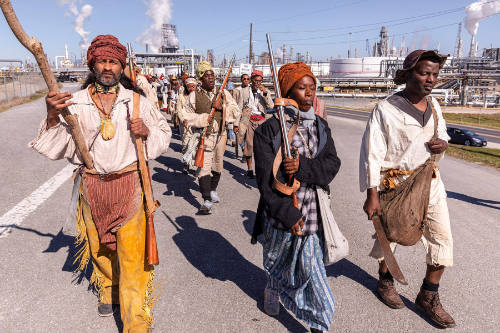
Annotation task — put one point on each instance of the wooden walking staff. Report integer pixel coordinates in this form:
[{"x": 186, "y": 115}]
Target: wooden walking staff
[
  {"x": 200, "y": 153},
  {"x": 35, "y": 47},
  {"x": 150, "y": 204}
]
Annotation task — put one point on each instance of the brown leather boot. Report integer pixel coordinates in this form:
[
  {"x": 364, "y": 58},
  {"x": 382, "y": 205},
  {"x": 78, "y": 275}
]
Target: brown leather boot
[
  {"x": 388, "y": 294},
  {"x": 429, "y": 303}
]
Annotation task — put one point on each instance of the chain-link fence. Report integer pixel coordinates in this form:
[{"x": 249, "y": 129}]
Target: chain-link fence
[{"x": 20, "y": 84}]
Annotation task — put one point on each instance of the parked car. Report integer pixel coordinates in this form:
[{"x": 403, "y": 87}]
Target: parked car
[
  {"x": 465, "y": 137},
  {"x": 64, "y": 77}
]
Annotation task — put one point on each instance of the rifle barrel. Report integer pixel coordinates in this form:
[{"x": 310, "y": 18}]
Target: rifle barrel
[{"x": 281, "y": 109}]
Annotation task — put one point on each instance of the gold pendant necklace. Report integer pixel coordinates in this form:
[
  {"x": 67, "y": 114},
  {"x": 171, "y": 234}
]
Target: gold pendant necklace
[{"x": 107, "y": 127}]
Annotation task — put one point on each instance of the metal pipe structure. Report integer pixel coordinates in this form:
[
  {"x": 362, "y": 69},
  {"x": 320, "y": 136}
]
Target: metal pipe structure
[
  {"x": 281, "y": 109},
  {"x": 192, "y": 60},
  {"x": 55, "y": 59}
]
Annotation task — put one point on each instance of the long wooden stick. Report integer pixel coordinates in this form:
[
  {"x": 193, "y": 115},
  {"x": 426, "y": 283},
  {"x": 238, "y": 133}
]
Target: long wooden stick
[
  {"x": 150, "y": 204},
  {"x": 35, "y": 47}
]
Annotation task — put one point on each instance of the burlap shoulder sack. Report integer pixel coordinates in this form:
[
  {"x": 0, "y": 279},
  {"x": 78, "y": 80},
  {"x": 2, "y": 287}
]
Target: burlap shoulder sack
[{"x": 404, "y": 208}]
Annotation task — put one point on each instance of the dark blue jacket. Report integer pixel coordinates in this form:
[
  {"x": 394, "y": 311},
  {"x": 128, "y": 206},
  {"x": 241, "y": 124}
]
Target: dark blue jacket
[{"x": 319, "y": 171}]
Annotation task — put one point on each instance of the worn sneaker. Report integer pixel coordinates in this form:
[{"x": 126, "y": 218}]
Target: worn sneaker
[
  {"x": 206, "y": 208},
  {"x": 214, "y": 196},
  {"x": 388, "y": 294},
  {"x": 429, "y": 303},
  {"x": 105, "y": 310},
  {"x": 271, "y": 302},
  {"x": 250, "y": 174}
]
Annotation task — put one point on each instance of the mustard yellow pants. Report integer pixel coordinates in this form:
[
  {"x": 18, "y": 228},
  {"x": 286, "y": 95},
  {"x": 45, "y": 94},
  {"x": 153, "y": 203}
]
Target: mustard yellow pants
[{"x": 122, "y": 276}]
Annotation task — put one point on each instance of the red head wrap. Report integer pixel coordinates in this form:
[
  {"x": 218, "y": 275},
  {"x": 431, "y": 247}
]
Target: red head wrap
[
  {"x": 291, "y": 73},
  {"x": 257, "y": 73},
  {"x": 106, "y": 46}
]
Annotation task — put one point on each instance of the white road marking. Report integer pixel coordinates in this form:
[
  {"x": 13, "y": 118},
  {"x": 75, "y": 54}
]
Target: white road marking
[{"x": 29, "y": 204}]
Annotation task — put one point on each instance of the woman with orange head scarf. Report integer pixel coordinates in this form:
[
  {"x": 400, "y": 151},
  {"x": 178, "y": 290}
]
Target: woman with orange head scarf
[{"x": 293, "y": 245}]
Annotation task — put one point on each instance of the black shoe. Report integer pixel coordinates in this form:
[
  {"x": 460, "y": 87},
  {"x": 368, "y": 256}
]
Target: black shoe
[
  {"x": 206, "y": 208},
  {"x": 315, "y": 330},
  {"x": 250, "y": 174},
  {"x": 105, "y": 310}
]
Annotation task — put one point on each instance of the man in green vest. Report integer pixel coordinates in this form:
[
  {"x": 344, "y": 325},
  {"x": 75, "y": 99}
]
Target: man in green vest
[{"x": 197, "y": 115}]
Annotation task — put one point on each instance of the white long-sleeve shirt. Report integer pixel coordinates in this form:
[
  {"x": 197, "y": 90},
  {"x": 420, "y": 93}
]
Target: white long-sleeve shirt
[
  {"x": 393, "y": 139},
  {"x": 108, "y": 155}
]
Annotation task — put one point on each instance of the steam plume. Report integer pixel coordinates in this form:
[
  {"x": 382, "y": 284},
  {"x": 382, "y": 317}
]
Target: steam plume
[
  {"x": 81, "y": 15},
  {"x": 160, "y": 12},
  {"x": 478, "y": 11}
]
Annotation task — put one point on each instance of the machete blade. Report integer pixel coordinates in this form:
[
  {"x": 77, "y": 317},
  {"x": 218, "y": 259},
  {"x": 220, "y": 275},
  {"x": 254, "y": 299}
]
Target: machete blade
[{"x": 389, "y": 258}]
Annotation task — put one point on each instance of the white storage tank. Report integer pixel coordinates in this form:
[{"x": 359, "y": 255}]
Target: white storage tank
[{"x": 357, "y": 67}]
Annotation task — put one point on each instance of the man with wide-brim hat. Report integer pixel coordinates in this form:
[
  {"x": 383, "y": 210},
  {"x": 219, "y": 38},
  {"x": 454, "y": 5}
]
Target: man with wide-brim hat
[
  {"x": 108, "y": 199},
  {"x": 399, "y": 137}
]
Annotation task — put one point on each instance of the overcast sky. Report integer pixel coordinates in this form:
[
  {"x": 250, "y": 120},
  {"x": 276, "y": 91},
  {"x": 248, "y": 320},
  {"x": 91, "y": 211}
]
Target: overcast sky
[{"x": 321, "y": 27}]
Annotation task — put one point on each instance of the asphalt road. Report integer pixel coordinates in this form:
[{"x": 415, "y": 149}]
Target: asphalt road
[
  {"x": 211, "y": 277},
  {"x": 491, "y": 135}
]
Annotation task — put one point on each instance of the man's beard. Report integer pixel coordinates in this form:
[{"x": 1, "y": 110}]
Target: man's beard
[{"x": 107, "y": 82}]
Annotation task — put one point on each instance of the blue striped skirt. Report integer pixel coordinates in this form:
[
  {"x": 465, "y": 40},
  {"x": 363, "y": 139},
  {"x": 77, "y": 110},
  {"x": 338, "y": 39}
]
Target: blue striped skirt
[{"x": 295, "y": 269}]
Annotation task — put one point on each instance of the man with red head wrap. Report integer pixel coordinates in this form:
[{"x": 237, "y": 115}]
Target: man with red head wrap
[
  {"x": 254, "y": 101},
  {"x": 108, "y": 199}
]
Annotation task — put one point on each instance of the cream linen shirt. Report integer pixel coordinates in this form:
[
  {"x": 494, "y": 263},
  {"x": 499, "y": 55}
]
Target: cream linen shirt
[
  {"x": 263, "y": 103},
  {"x": 230, "y": 108},
  {"x": 150, "y": 91},
  {"x": 179, "y": 106},
  {"x": 395, "y": 140},
  {"x": 111, "y": 155}
]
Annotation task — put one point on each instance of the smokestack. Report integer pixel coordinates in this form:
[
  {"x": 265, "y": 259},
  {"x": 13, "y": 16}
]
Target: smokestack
[{"x": 472, "y": 50}]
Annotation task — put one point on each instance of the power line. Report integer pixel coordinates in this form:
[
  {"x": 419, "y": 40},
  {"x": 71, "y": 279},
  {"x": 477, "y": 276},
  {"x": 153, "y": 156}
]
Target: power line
[
  {"x": 405, "y": 21},
  {"x": 376, "y": 38}
]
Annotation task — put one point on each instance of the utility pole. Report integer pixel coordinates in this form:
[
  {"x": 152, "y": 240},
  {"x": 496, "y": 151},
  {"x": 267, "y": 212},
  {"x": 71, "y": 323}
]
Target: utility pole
[{"x": 250, "y": 51}]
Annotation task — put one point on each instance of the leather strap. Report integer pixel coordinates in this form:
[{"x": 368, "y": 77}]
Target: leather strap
[
  {"x": 281, "y": 187},
  {"x": 278, "y": 101},
  {"x": 435, "y": 117},
  {"x": 136, "y": 109}
]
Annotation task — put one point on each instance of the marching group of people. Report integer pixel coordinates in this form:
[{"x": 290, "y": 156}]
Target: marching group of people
[{"x": 402, "y": 133}]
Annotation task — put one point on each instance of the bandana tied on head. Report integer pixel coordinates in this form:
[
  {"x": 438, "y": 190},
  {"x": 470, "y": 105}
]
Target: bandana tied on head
[
  {"x": 190, "y": 80},
  {"x": 411, "y": 61},
  {"x": 106, "y": 46},
  {"x": 291, "y": 73},
  {"x": 257, "y": 73},
  {"x": 203, "y": 66}
]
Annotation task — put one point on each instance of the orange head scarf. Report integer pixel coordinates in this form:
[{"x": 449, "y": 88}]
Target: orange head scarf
[{"x": 291, "y": 73}]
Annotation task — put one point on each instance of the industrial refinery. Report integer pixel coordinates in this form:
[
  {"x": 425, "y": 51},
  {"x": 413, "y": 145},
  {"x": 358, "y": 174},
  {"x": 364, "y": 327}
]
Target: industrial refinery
[{"x": 468, "y": 78}]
